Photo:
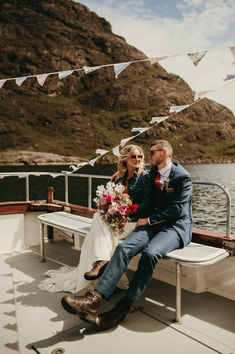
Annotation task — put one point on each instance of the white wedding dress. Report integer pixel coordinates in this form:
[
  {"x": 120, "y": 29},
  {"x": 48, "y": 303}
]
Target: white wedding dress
[{"x": 99, "y": 244}]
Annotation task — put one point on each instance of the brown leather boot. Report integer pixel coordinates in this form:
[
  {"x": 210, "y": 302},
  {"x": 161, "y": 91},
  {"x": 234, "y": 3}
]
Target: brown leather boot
[
  {"x": 111, "y": 318},
  {"x": 96, "y": 271},
  {"x": 86, "y": 307}
]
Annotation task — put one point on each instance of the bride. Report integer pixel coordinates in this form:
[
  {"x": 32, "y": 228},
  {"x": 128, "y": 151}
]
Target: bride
[{"x": 100, "y": 242}]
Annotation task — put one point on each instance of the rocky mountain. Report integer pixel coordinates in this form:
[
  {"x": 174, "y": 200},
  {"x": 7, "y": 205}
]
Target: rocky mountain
[{"x": 81, "y": 113}]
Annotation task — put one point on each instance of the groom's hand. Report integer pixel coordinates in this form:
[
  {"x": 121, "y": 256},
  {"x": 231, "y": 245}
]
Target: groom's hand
[{"x": 142, "y": 222}]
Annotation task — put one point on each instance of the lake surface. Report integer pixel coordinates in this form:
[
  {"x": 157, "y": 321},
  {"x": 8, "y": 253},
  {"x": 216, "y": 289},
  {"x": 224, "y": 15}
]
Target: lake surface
[{"x": 209, "y": 203}]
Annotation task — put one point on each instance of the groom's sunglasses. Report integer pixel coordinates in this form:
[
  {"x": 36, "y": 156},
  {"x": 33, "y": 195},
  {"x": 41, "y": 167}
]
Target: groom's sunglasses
[
  {"x": 151, "y": 152},
  {"x": 136, "y": 157}
]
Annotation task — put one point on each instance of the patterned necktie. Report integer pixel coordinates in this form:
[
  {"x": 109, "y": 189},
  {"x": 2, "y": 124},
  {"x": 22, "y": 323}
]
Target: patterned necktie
[{"x": 158, "y": 182}]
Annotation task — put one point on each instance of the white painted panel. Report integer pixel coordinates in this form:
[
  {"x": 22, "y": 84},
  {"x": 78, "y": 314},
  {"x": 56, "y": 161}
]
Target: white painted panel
[
  {"x": 12, "y": 232},
  {"x": 32, "y": 229}
]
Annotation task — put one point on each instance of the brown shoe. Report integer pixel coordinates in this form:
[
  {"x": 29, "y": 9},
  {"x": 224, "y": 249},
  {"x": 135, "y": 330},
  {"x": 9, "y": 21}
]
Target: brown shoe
[
  {"x": 86, "y": 307},
  {"x": 111, "y": 318},
  {"x": 96, "y": 271}
]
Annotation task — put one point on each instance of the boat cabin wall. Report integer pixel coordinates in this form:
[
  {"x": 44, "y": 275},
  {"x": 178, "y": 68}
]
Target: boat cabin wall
[{"x": 19, "y": 231}]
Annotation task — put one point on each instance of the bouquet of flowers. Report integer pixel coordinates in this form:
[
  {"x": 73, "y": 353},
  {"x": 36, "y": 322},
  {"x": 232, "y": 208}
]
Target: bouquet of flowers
[{"x": 114, "y": 205}]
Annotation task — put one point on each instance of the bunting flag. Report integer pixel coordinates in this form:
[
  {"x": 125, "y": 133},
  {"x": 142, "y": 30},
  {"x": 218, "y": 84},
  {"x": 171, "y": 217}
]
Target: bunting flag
[
  {"x": 89, "y": 69},
  {"x": 156, "y": 59},
  {"x": 101, "y": 151},
  {"x": 197, "y": 57},
  {"x": 54, "y": 175},
  {"x": 74, "y": 168},
  {"x": 118, "y": 68},
  {"x": 158, "y": 119},
  {"x": 41, "y": 78},
  {"x": 2, "y": 82},
  {"x": 177, "y": 109},
  {"x": 140, "y": 130},
  {"x": 229, "y": 77},
  {"x": 78, "y": 166},
  {"x": 201, "y": 94},
  {"x": 115, "y": 151},
  {"x": 92, "y": 162},
  {"x": 233, "y": 53},
  {"x": 63, "y": 74},
  {"x": 20, "y": 80},
  {"x": 124, "y": 141}
]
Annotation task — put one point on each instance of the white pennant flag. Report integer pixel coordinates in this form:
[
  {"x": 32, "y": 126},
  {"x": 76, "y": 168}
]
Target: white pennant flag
[
  {"x": 22, "y": 176},
  {"x": 140, "y": 130},
  {"x": 54, "y": 175},
  {"x": 20, "y": 80},
  {"x": 197, "y": 57},
  {"x": 177, "y": 109},
  {"x": 74, "y": 168},
  {"x": 41, "y": 78},
  {"x": 202, "y": 94},
  {"x": 63, "y": 74},
  {"x": 158, "y": 119},
  {"x": 101, "y": 151},
  {"x": 118, "y": 68},
  {"x": 230, "y": 77},
  {"x": 124, "y": 141},
  {"x": 233, "y": 52},
  {"x": 92, "y": 162},
  {"x": 89, "y": 69},
  {"x": 2, "y": 82},
  {"x": 115, "y": 151},
  {"x": 79, "y": 165},
  {"x": 156, "y": 59}
]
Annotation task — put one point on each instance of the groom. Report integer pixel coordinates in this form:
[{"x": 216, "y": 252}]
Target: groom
[{"x": 168, "y": 228}]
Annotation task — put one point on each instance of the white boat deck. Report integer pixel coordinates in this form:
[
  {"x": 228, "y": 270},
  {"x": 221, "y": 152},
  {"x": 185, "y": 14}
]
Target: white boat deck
[{"x": 33, "y": 321}]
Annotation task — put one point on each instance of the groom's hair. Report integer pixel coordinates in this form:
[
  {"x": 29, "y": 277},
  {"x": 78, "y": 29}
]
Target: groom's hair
[{"x": 165, "y": 145}]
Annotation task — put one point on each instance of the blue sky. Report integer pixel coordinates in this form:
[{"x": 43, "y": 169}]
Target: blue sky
[{"x": 168, "y": 27}]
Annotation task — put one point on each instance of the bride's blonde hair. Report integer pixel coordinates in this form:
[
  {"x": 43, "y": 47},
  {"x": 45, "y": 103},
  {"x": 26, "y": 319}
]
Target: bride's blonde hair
[{"x": 126, "y": 152}]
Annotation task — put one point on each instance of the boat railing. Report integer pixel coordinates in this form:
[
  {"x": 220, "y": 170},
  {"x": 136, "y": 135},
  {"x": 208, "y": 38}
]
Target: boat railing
[{"x": 90, "y": 177}]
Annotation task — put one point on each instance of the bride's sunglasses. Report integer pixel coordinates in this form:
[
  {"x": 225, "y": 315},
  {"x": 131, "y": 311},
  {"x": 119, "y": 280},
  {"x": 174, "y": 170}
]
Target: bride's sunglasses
[{"x": 136, "y": 157}]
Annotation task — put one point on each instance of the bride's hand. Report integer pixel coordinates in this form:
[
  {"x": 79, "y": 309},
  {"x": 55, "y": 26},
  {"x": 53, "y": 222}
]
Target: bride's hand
[{"x": 114, "y": 177}]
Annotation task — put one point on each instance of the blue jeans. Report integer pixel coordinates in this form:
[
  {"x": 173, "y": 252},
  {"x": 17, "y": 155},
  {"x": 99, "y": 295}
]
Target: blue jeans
[{"x": 154, "y": 242}]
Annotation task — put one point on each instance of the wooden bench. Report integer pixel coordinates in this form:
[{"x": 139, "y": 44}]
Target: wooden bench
[{"x": 194, "y": 254}]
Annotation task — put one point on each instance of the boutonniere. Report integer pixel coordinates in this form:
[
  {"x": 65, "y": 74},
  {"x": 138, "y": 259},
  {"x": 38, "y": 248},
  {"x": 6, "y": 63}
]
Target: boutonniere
[{"x": 165, "y": 186}]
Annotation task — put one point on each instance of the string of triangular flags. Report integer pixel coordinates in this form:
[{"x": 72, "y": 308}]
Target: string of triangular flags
[
  {"x": 118, "y": 68},
  {"x": 140, "y": 130}
]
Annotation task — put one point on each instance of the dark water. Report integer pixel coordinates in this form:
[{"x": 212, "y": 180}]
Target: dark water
[{"x": 209, "y": 203}]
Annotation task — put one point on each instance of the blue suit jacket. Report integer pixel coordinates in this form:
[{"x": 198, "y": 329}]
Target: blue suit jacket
[{"x": 173, "y": 205}]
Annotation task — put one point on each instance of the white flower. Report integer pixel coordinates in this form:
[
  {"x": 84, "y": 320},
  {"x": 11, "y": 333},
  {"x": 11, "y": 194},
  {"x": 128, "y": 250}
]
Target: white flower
[
  {"x": 119, "y": 188},
  {"x": 113, "y": 209},
  {"x": 110, "y": 186},
  {"x": 100, "y": 190}
]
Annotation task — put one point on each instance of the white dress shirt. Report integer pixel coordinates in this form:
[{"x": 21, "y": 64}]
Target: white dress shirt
[{"x": 164, "y": 174}]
